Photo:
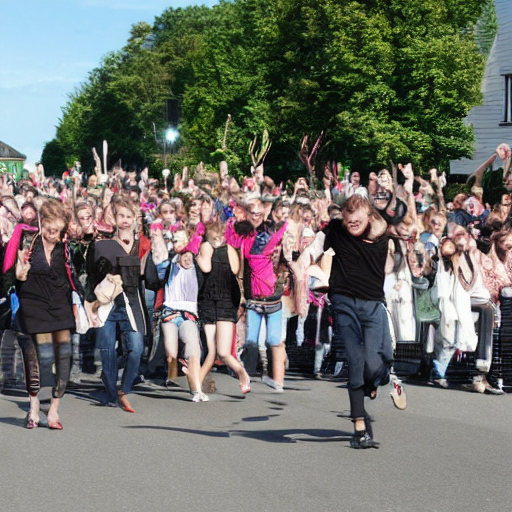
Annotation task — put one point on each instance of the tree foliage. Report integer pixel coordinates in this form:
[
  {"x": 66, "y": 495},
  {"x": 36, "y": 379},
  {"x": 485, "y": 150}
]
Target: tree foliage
[
  {"x": 387, "y": 80},
  {"x": 53, "y": 158}
]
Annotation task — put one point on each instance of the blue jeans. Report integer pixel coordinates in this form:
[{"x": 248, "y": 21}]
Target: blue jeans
[
  {"x": 274, "y": 328},
  {"x": 273, "y": 323},
  {"x": 133, "y": 348}
]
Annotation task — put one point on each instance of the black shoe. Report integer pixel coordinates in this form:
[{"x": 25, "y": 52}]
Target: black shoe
[
  {"x": 139, "y": 380},
  {"x": 90, "y": 368},
  {"x": 362, "y": 440},
  {"x": 368, "y": 425}
]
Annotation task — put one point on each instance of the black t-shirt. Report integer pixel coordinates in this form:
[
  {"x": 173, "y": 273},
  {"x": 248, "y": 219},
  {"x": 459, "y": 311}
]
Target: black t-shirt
[{"x": 358, "y": 266}]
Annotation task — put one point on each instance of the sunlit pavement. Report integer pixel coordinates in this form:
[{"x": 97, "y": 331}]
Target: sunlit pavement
[{"x": 448, "y": 451}]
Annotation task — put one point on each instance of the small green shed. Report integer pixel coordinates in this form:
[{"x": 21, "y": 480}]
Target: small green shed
[{"x": 11, "y": 160}]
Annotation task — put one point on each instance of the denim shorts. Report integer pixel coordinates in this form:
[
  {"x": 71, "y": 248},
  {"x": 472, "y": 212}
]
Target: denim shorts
[{"x": 176, "y": 317}]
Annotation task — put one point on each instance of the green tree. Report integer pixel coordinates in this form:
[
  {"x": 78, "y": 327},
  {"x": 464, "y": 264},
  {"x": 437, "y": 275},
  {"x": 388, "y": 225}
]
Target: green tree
[
  {"x": 53, "y": 158},
  {"x": 387, "y": 80}
]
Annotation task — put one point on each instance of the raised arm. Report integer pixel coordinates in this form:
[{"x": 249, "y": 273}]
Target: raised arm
[{"x": 204, "y": 258}]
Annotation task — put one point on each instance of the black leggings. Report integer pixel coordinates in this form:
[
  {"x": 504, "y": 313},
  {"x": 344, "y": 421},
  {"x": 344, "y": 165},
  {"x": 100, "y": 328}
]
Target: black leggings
[
  {"x": 40, "y": 351},
  {"x": 356, "y": 397}
]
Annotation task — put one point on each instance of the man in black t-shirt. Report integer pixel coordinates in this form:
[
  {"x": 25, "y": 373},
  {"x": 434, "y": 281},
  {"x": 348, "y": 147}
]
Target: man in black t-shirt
[{"x": 356, "y": 292}]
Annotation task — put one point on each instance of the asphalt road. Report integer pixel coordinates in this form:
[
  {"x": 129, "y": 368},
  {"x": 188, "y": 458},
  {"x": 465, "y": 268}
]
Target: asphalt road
[{"x": 448, "y": 451}]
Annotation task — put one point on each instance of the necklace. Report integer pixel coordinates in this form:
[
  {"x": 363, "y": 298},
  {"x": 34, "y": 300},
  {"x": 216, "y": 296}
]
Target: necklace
[{"x": 125, "y": 241}]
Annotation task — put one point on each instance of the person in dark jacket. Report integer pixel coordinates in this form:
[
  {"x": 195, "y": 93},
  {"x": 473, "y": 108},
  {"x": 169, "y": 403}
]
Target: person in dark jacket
[{"x": 119, "y": 257}]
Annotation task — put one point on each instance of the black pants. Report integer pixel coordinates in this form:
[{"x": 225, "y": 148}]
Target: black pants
[{"x": 363, "y": 326}]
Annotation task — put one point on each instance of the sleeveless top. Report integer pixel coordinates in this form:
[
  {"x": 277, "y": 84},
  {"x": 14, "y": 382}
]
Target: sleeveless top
[{"x": 220, "y": 283}]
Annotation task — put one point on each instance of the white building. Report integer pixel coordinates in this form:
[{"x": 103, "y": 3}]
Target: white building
[{"x": 492, "y": 121}]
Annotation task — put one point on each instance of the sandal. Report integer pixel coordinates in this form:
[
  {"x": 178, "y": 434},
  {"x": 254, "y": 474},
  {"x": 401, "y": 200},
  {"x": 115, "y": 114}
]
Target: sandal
[
  {"x": 30, "y": 423},
  {"x": 245, "y": 387},
  {"x": 124, "y": 403}
]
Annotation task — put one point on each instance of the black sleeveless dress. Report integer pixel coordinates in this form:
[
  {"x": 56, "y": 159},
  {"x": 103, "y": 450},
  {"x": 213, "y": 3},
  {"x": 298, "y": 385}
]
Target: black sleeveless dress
[{"x": 219, "y": 296}]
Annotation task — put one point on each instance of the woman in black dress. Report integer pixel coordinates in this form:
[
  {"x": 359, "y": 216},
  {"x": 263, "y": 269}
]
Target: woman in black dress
[
  {"x": 219, "y": 302},
  {"x": 46, "y": 312}
]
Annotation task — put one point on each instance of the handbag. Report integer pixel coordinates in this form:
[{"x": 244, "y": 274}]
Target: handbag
[
  {"x": 426, "y": 310},
  {"x": 81, "y": 320}
]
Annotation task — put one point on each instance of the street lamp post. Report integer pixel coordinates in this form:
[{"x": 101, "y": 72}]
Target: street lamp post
[
  {"x": 171, "y": 136},
  {"x": 165, "y": 174}
]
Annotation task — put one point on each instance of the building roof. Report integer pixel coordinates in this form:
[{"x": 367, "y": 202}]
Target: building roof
[{"x": 9, "y": 153}]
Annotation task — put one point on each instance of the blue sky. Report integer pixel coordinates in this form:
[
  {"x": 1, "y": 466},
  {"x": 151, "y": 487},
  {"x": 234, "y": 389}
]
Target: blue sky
[{"x": 47, "y": 49}]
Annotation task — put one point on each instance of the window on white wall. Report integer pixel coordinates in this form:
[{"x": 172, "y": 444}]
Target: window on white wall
[{"x": 507, "y": 100}]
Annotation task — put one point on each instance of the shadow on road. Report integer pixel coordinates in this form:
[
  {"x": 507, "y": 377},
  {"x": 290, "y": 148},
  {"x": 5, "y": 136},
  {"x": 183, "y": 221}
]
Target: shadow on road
[
  {"x": 17, "y": 422},
  {"x": 269, "y": 436}
]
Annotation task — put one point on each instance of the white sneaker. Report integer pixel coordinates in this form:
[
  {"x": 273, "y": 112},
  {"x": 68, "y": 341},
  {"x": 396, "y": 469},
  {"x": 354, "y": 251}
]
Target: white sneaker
[
  {"x": 199, "y": 396},
  {"x": 276, "y": 386},
  {"x": 398, "y": 395},
  {"x": 279, "y": 388}
]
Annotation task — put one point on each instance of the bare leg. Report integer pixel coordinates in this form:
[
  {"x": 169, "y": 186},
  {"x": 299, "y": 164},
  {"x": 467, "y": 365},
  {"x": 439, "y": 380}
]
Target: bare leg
[
  {"x": 170, "y": 332},
  {"x": 53, "y": 414},
  {"x": 170, "y": 335},
  {"x": 35, "y": 407},
  {"x": 278, "y": 362},
  {"x": 172, "y": 369},
  {"x": 192, "y": 369},
  {"x": 193, "y": 373},
  {"x": 189, "y": 335},
  {"x": 209, "y": 330},
  {"x": 359, "y": 424},
  {"x": 224, "y": 342}
]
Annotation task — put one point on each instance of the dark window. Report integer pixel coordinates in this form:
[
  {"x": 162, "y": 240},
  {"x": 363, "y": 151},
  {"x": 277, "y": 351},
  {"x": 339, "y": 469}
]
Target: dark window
[{"x": 507, "y": 100}]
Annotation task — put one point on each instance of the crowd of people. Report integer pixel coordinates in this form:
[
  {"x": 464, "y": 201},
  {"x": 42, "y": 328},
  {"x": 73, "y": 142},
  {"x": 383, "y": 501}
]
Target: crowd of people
[{"x": 124, "y": 274}]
